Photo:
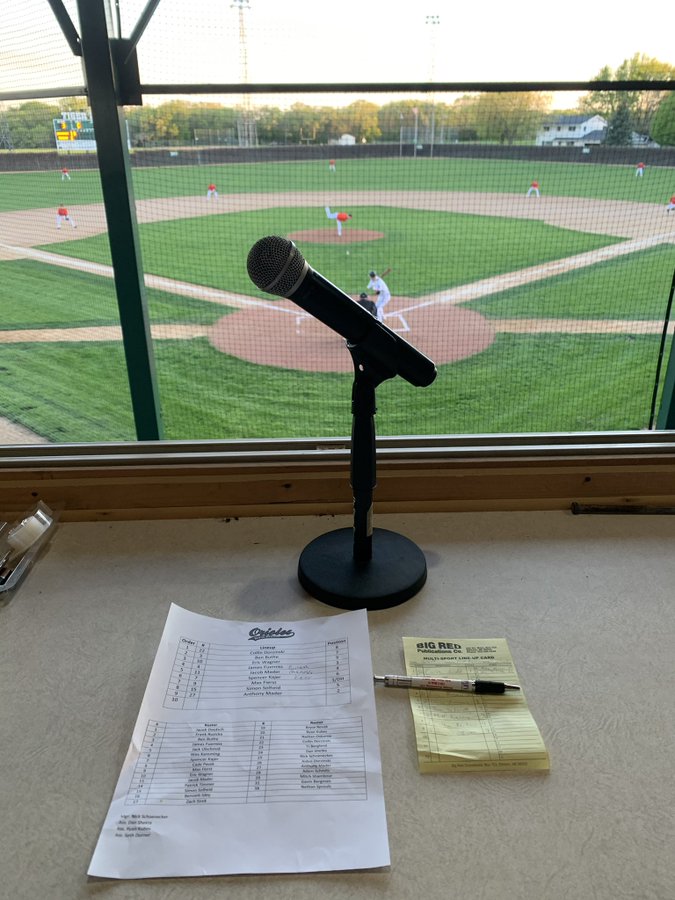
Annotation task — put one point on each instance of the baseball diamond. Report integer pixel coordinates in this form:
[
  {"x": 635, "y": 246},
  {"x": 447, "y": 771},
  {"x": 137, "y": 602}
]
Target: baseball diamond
[
  {"x": 522, "y": 302},
  {"x": 434, "y": 323}
]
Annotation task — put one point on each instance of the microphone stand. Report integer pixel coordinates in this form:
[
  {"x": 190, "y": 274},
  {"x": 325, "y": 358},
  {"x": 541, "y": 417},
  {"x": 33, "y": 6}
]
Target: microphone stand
[{"x": 362, "y": 567}]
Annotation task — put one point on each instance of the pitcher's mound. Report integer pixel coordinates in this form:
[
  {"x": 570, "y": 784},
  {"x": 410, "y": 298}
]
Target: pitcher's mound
[{"x": 330, "y": 236}]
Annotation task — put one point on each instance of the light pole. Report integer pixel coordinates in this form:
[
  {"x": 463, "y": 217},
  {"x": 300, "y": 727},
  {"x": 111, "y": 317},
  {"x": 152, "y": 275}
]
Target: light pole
[
  {"x": 417, "y": 115},
  {"x": 246, "y": 128},
  {"x": 433, "y": 21},
  {"x": 242, "y": 6}
]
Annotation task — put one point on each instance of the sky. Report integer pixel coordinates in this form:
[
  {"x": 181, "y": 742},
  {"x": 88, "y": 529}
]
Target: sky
[{"x": 347, "y": 41}]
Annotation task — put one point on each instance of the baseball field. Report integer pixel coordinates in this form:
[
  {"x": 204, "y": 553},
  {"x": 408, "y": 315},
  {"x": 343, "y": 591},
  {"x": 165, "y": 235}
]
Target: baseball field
[{"x": 541, "y": 313}]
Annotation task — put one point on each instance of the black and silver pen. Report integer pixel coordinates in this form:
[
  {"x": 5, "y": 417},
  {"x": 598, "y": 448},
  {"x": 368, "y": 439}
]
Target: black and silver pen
[{"x": 424, "y": 683}]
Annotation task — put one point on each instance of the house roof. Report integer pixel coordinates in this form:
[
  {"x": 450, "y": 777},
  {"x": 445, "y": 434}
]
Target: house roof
[
  {"x": 597, "y": 135},
  {"x": 571, "y": 120}
]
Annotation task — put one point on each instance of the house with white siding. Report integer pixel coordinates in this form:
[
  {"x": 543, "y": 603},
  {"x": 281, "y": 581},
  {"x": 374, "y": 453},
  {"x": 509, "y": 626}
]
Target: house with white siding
[{"x": 572, "y": 131}]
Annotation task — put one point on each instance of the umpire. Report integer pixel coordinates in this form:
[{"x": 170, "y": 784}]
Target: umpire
[{"x": 368, "y": 304}]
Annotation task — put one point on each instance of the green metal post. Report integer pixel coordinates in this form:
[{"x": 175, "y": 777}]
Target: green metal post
[
  {"x": 118, "y": 198},
  {"x": 666, "y": 417}
]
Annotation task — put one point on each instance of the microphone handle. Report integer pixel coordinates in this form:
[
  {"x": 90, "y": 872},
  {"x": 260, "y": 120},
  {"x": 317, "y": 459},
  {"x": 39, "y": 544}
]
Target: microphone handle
[
  {"x": 337, "y": 310},
  {"x": 326, "y": 302}
]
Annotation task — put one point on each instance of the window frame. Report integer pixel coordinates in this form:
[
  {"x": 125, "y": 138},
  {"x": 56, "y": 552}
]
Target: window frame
[{"x": 157, "y": 478}]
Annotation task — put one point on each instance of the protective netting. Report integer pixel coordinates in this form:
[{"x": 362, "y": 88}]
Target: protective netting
[{"x": 524, "y": 241}]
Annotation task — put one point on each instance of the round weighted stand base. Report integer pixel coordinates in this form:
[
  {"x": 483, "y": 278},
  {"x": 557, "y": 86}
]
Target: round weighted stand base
[{"x": 327, "y": 570}]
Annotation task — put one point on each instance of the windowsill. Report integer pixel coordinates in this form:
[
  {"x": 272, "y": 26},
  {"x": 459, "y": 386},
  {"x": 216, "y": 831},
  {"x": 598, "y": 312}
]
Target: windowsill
[{"x": 269, "y": 478}]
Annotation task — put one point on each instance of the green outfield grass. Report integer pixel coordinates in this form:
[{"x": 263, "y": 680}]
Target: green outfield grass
[
  {"x": 427, "y": 251},
  {"x": 44, "y": 296},
  {"x": 521, "y": 384},
  {"x": 391, "y": 173},
  {"x": 35, "y": 190},
  {"x": 630, "y": 287}
]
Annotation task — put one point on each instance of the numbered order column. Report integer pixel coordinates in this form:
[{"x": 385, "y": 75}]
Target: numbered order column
[
  {"x": 147, "y": 763},
  {"x": 260, "y": 756},
  {"x": 187, "y": 674}
]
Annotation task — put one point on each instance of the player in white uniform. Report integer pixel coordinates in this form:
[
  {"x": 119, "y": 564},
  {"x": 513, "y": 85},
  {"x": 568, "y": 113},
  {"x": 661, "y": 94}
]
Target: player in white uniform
[{"x": 383, "y": 296}]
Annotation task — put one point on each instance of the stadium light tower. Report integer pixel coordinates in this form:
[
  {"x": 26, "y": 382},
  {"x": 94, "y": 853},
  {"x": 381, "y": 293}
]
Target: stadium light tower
[
  {"x": 246, "y": 124},
  {"x": 433, "y": 21},
  {"x": 242, "y": 6}
]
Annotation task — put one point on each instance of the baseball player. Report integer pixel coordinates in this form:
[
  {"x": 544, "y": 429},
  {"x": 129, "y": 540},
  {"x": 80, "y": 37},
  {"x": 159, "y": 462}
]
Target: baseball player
[
  {"x": 639, "y": 170},
  {"x": 331, "y": 165},
  {"x": 381, "y": 290},
  {"x": 533, "y": 189},
  {"x": 671, "y": 204},
  {"x": 65, "y": 174},
  {"x": 62, "y": 215},
  {"x": 211, "y": 192},
  {"x": 339, "y": 217}
]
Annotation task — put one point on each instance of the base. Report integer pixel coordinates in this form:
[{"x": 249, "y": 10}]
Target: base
[{"x": 396, "y": 572}]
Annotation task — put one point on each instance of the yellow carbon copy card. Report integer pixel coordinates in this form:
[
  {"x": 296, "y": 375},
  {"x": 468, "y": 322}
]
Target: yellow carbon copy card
[{"x": 457, "y": 731}]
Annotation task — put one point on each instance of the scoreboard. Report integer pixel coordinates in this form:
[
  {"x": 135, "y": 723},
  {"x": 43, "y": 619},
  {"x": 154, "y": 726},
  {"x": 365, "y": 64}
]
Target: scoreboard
[{"x": 74, "y": 131}]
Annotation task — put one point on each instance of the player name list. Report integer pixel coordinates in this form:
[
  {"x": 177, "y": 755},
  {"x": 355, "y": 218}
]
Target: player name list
[
  {"x": 250, "y": 762},
  {"x": 222, "y": 676}
]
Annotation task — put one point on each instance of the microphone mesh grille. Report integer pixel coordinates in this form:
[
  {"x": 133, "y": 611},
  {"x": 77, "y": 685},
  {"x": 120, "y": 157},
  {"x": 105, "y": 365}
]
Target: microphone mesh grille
[{"x": 271, "y": 256}]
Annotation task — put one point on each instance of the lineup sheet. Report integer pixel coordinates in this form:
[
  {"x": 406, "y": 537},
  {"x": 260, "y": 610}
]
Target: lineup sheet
[
  {"x": 255, "y": 751},
  {"x": 465, "y": 732}
]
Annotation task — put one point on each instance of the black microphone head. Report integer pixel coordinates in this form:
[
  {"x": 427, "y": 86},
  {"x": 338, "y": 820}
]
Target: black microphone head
[{"x": 275, "y": 265}]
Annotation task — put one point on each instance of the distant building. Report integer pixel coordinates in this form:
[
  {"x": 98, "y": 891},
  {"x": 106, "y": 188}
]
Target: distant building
[
  {"x": 344, "y": 139},
  {"x": 572, "y": 131},
  {"x": 642, "y": 140}
]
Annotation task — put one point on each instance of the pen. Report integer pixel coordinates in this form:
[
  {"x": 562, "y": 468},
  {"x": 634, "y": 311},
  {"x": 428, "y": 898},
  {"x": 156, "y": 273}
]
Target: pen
[{"x": 422, "y": 683}]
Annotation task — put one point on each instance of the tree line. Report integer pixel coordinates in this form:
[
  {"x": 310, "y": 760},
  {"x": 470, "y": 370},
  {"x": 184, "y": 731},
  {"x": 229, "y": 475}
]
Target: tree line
[
  {"x": 504, "y": 118},
  {"x": 647, "y": 113}
]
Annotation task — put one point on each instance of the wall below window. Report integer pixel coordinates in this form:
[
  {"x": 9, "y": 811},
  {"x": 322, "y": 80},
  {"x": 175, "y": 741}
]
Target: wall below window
[{"x": 175, "y": 481}]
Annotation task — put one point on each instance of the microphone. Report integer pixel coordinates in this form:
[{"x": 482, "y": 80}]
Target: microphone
[{"x": 276, "y": 266}]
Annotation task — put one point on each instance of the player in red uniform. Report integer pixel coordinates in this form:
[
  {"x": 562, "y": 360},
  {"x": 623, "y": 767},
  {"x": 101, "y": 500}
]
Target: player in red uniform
[
  {"x": 62, "y": 215},
  {"x": 331, "y": 165},
  {"x": 671, "y": 204},
  {"x": 211, "y": 192},
  {"x": 339, "y": 217},
  {"x": 639, "y": 170},
  {"x": 65, "y": 174},
  {"x": 533, "y": 189}
]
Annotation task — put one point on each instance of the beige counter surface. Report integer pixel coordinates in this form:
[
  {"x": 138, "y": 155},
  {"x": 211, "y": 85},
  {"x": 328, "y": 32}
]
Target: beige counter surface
[{"x": 587, "y": 604}]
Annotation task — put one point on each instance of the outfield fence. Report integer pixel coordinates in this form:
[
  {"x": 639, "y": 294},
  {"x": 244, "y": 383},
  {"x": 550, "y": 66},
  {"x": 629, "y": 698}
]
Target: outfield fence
[{"x": 182, "y": 155}]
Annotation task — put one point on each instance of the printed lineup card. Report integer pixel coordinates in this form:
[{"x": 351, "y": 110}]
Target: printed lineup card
[
  {"x": 458, "y": 731},
  {"x": 255, "y": 751}
]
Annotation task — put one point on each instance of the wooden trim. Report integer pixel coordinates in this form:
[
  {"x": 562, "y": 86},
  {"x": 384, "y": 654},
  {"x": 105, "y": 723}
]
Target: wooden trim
[{"x": 99, "y": 491}]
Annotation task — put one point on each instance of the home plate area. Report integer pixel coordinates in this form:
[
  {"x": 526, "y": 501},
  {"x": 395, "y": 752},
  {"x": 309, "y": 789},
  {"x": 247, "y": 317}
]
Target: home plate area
[{"x": 284, "y": 336}]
